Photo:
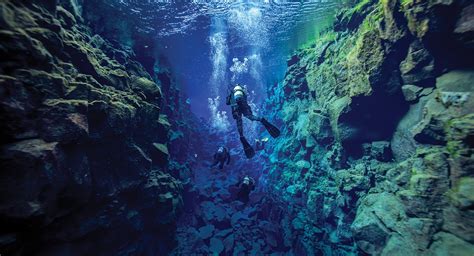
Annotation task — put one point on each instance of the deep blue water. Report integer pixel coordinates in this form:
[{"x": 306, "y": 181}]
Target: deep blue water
[
  {"x": 202, "y": 39},
  {"x": 210, "y": 47}
]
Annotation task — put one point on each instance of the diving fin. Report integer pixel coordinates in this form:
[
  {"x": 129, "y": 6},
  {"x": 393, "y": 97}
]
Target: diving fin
[
  {"x": 249, "y": 152},
  {"x": 274, "y": 132}
]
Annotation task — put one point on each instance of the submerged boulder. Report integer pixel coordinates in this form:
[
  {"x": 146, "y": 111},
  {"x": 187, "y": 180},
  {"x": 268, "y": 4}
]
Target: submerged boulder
[
  {"x": 446, "y": 244},
  {"x": 464, "y": 28},
  {"x": 148, "y": 88},
  {"x": 418, "y": 66},
  {"x": 216, "y": 246},
  {"x": 376, "y": 219},
  {"x": 206, "y": 232}
]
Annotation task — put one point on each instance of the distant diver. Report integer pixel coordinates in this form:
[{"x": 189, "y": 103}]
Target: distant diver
[
  {"x": 221, "y": 156},
  {"x": 246, "y": 185},
  {"x": 260, "y": 144},
  {"x": 237, "y": 99}
]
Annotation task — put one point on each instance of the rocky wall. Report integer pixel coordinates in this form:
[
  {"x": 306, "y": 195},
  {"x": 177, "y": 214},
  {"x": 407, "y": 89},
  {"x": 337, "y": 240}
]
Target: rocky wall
[
  {"x": 376, "y": 153},
  {"x": 185, "y": 131},
  {"x": 83, "y": 145}
]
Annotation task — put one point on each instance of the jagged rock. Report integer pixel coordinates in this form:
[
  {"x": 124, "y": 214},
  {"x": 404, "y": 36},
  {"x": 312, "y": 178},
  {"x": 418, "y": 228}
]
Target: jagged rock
[
  {"x": 237, "y": 218},
  {"x": 455, "y": 87},
  {"x": 73, "y": 6},
  {"x": 379, "y": 150},
  {"x": 353, "y": 17},
  {"x": 458, "y": 221},
  {"x": 411, "y": 92},
  {"x": 298, "y": 223},
  {"x": 427, "y": 185},
  {"x": 403, "y": 144},
  {"x": 229, "y": 243},
  {"x": 375, "y": 220},
  {"x": 255, "y": 249},
  {"x": 67, "y": 18},
  {"x": 420, "y": 22},
  {"x": 400, "y": 175},
  {"x": 424, "y": 123},
  {"x": 430, "y": 131},
  {"x": 148, "y": 88},
  {"x": 77, "y": 140},
  {"x": 459, "y": 132},
  {"x": 294, "y": 59},
  {"x": 223, "y": 233},
  {"x": 206, "y": 232},
  {"x": 32, "y": 166},
  {"x": 215, "y": 214},
  {"x": 457, "y": 216},
  {"x": 65, "y": 121},
  {"x": 418, "y": 66},
  {"x": 239, "y": 249},
  {"x": 464, "y": 28},
  {"x": 448, "y": 244},
  {"x": 216, "y": 246},
  {"x": 397, "y": 245},
  {"x": 454, "y": 98},
  {"x": 164, "y": 193},
  {"x": 302, "y": 164},
  {"x": 353, "y": 179}
]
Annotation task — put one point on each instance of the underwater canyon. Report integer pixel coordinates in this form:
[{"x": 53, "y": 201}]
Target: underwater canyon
[{"x": 111, "y": 112}]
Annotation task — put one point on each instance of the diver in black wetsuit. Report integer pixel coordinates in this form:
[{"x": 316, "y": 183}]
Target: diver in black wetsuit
[
  {"x": 246, "y": 185},
  {"x": 221, "y": 156},
  {"x": 237, "y": 99},
  {"x": 260, "y": 144}
]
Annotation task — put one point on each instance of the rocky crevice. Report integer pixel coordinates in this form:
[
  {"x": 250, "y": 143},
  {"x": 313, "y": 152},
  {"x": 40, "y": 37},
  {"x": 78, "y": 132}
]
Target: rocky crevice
[{"x": 375, "y": 155}]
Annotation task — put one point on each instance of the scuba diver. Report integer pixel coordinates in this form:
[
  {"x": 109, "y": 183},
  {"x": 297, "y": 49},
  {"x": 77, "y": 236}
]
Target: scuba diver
[
  {"x": 237, "y": 99},
  {"x": 221, "y": 156},
  {"x": 246, "y": 185},
  {"x": 260, "y": 144}
]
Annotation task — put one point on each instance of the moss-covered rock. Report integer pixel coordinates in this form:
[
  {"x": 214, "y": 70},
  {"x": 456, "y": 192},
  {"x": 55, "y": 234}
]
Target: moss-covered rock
[
  {"x": 383, "y": 75},
  {"x": 78, "y": 119}
]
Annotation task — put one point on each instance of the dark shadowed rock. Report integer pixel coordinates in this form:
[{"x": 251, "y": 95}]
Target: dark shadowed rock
[
  {"x": 205, "y": 232},
  {"x": 464, "y": 28},
  {"x": 418, "y": 66},
  {"x": 216, "y": 246},
  {"x": 375, "y": 221},
  {"x": 76, "y": 144},
  {"x": 160, "y": 154}
]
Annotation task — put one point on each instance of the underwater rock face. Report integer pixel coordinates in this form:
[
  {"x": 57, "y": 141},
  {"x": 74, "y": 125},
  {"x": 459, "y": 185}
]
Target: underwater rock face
[
  {"x": 80, "y": 119},
  {"x": 383, "y": 116}
]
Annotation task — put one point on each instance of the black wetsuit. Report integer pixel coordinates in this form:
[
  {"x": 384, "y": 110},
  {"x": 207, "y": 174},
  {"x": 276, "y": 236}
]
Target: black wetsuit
[
  {"x": 221, "y": 158},
  {"x": 245, "y": 189},
  {"x": 241, "y": 107},
  {"x": 237, "y": 99}
]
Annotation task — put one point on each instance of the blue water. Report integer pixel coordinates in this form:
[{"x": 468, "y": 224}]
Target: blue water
[
  {"x": 206, "y": 42},
  {"x": 210, "y": 46}
]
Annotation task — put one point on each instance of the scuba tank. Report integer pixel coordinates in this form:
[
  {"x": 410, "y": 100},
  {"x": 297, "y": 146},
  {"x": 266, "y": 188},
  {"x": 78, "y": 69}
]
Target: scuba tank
[{"x": 235, "y": 94}]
